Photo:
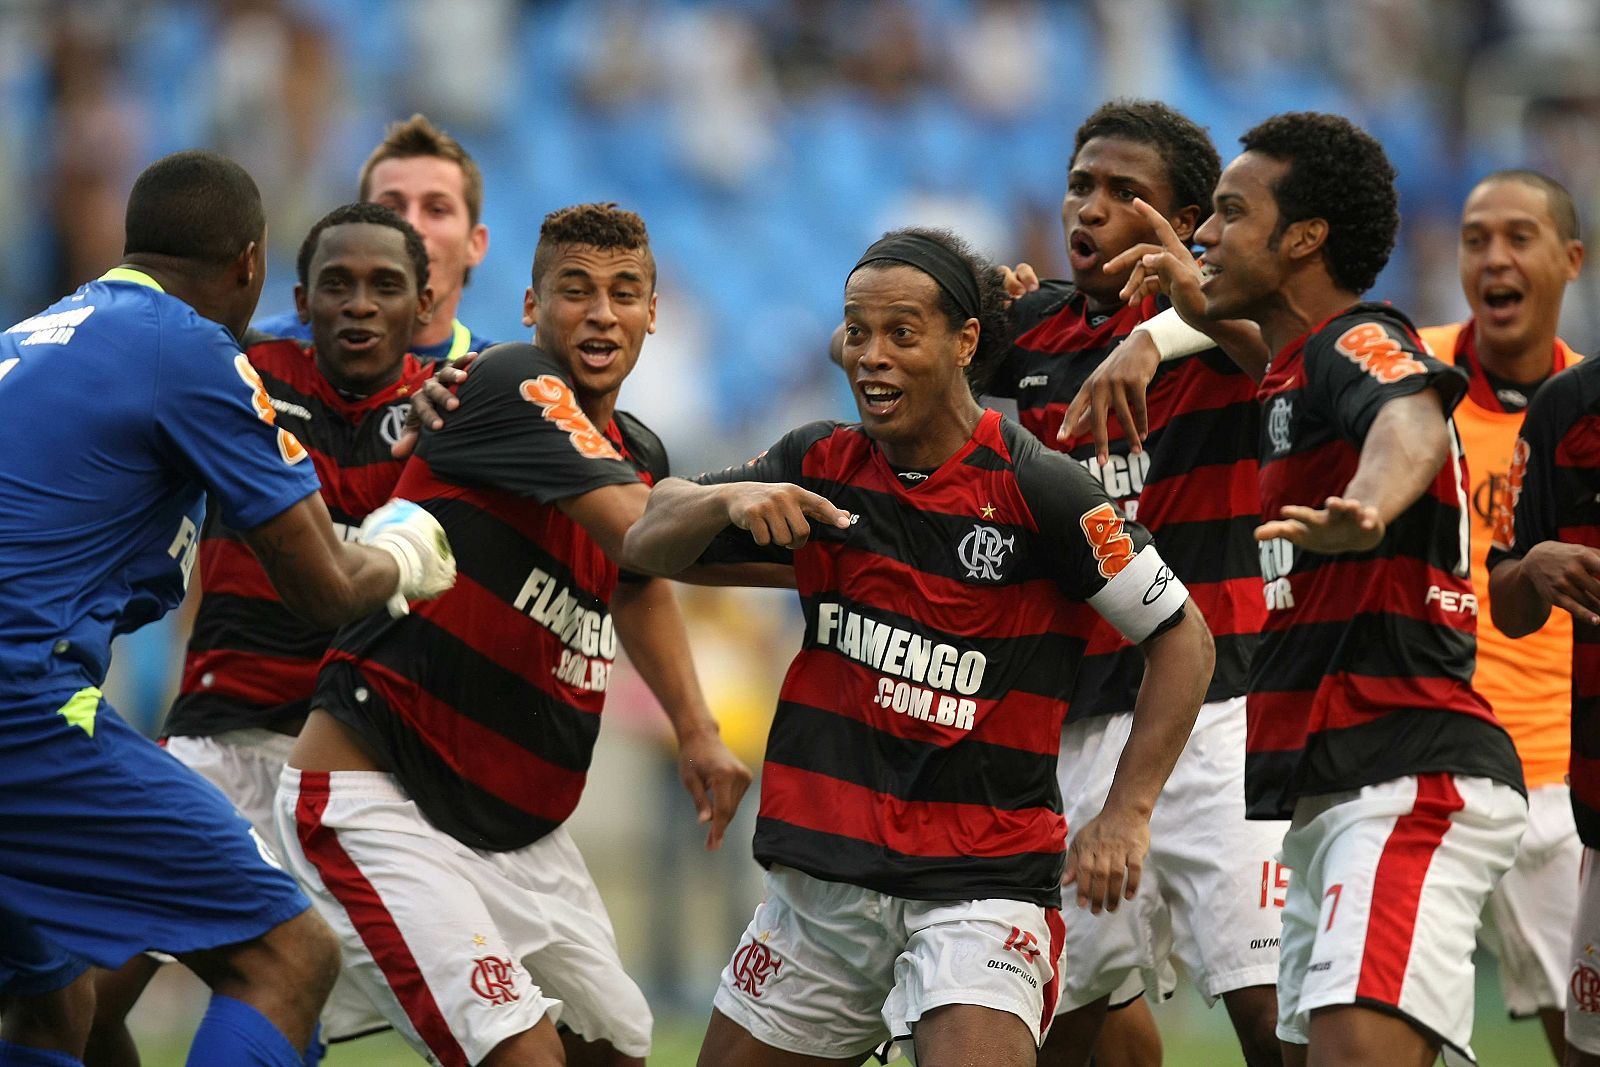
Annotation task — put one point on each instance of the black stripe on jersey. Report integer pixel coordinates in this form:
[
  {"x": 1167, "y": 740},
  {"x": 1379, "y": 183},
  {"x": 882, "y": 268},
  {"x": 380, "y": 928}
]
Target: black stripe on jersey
[
  {"x": 814, "y": 739},
  {"x": 1043, "y": 664},
  {"x": 1375, "y": 646},
  {"x": 925, "y": 541},
  {"x": 1213, "y": 550},
  {"x": 1030, "y": 876},
  {"x": 1109, "y": 684},
  {"x": 502, "y": 557},
  {"x": 985, "y": 458},
  {"x": 259, "y": 627},
  {"x": 1398, "y": 743},
  {"x": 207, "y": 714},
  {"x": 1211, "y": 438},
  {"x": 494, "y": 824},
  {"x": 475, "y": 686}
]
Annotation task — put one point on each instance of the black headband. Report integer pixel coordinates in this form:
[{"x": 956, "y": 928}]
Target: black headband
[{"x": 946, "y": 268}]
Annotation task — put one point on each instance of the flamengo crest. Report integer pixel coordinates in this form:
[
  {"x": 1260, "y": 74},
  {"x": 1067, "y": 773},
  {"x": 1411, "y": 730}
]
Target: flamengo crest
[{"x": 983, "y": 552}]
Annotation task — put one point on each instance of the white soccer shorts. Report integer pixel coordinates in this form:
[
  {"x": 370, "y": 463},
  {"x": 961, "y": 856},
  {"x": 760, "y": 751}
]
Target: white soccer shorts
[
  {"x": 1212, "y": 890},
  {"x": 831, "y": 969},
  {"x": 1528, "y": 923},
  {"x": 460, "y": 948},
  {"x": 246, "y": 765},
  {"x": 1583, "y": 981},
  {"x": 1389, "y": 883}
]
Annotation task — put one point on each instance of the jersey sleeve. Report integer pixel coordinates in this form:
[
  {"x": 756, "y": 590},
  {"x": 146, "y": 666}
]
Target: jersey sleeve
[
  {"x": 1527, "y": 511},
  {"x": 519, "y": 429},
  {"x": 212, "y": 415},
  {"x": 1026, "y": 312},
  {"x": 1368, "y": 360},
  {"x": 782, "y": 462},
  {"x": 1099, "y": 555}
]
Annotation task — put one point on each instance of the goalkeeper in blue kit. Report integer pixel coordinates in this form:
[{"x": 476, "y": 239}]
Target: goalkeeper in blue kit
[{"x": 122, "y": 406}]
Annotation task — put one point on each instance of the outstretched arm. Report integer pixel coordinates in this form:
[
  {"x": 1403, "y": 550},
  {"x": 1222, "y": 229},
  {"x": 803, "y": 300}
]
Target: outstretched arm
[
  {"x": 1553, "y": 574},
  {"x": 651, "y": 629},
  {"x": 682, "y": 519},
  {"x": 1407, "y": 444}
]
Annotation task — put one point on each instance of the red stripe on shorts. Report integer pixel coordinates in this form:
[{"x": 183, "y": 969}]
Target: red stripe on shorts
[
  {"x": 371, "y": 920},
  {"x": 1397, "y": 887},
  {"x": 1052, "y": 988}
]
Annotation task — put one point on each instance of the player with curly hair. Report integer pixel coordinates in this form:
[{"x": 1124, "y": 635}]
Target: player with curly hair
[
  {"x": 1208, "y": 900},
  {"x": 1405, "y": 794}
]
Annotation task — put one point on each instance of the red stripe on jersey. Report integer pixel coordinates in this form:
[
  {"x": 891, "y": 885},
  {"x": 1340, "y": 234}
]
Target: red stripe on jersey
[
  {"x": 941, "y": 603},
  {"x": 1588, "y": 536},
  {"x": 507, "y": 638},
  {"x": 1024, "y": 721},
  {"x": 372, "y": 920},
  {"x": 1205, "y": 494},
  {"x": 1283, "y": 721},
  {"x": 484, "y": 757},
  {"x": 827, "y": 805},
  {"x": 354, "y": 491},
  {"x": 1052, "y": 988},
  {"x": 1580, "y": 444},
  {"x": 229, "y": 566},
  {"x": 249, "y": 676},
  {"x": 1397, "y": 887},
  {"x": 1340, "y": 589}
]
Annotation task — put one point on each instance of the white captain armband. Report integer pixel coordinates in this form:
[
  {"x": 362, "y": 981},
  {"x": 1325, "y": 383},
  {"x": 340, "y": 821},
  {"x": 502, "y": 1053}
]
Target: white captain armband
[
  {"x": 1141, "y": 597},
  {"x": 1173, "y": 337}
]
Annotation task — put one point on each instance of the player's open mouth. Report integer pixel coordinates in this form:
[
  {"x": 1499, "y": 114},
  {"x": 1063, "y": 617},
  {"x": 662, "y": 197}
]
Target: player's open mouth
[
  {"x": 1082, "y": 250},
  {"x": 1503, "y": 302},
  {"x": 598, "y": 355},
  {"x": 357, "y": 340},
  {"x": 1208, "y": 271},
  {"x": 880, "y": 399}
]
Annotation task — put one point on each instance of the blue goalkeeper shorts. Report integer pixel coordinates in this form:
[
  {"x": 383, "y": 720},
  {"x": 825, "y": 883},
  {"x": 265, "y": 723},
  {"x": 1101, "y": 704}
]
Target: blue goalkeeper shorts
[{"x": 110, "y": 847}]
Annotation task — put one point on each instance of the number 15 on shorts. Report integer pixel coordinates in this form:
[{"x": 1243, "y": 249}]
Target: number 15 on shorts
[{"x": 1274, "y": 884}]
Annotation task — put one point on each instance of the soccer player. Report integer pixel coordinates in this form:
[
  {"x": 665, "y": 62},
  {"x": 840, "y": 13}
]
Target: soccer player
[
  {"x": 1405, "y": 793},
  {"x": 1545, "y": 556},
  {"x": 251, "y": 666},
  {"x": 428, "y": 179},
  {"x": 1212, "y": 888},
  {"x": 460, "y": 736},
  {"x": 910, "y": 819},
  {"x": 1519, "y": 249},
  {"x": 121, "y": 406}
]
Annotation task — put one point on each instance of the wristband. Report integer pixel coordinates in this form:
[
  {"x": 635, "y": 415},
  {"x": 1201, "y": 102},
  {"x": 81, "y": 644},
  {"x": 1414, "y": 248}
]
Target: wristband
[{"x": 1173, "y": 337}]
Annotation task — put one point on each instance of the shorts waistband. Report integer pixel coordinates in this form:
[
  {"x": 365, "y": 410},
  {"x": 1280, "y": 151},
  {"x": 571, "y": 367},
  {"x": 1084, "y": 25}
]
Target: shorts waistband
[{"x": 376, "y": 785}]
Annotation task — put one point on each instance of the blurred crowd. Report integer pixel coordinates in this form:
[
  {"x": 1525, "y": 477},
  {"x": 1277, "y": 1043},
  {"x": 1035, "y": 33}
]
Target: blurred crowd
[{"x": 764, "y": 141}]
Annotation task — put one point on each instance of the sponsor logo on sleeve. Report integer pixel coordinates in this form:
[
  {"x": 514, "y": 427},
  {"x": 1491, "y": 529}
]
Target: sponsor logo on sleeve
[
  {"x": 290, "y": 450},
  {"x": 1376, "y": 351},
  {"x": 556, "y": 400},
  {"x": 1112, "y": 547}
]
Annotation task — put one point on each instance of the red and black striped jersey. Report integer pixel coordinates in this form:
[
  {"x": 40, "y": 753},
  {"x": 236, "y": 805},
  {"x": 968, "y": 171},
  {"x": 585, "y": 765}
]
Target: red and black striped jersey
[
  {"x": 486, "y": 702},
  {"x": 915, "y": 742},
  {"x": 1193, "y": 486},
  {"x": 1553, "y": 494},
  {"x": 251, "y": 662},
  {"x": 1364, "y": 672}
]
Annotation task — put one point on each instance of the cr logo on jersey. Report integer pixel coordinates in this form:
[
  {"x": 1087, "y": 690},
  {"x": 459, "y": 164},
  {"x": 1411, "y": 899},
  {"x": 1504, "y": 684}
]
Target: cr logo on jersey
[
  {"x": 983, "y": 552},
  {"x": 394, "y": 423},
  {"x": 1585, "y": 988},
  {"x": 491, "y": 980},
  {"x": 753, "y": 964},
  {"x": 1278, "y": 417}
]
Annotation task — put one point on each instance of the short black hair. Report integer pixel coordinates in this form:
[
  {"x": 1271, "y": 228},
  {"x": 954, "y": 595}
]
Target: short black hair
[
  {"x": 993, "y": 330},
  {"x": 193, "y": 205},
  {"x": 1339, "y": 173},
  {"x": 1563, "y": 212},
  {"x": 601, "y": 225},
  {"x": 365, "y": 211},
  {"x": 1193, "y": 165}
]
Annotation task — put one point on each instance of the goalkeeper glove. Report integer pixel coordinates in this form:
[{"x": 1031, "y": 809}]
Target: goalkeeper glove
[{"x": 417, "y": 542}]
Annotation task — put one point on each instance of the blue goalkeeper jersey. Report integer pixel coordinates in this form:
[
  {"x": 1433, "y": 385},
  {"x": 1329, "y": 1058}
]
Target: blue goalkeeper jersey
[
  {"x": 120, "y": 408},
  {"x": 459, "y": 343}
]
